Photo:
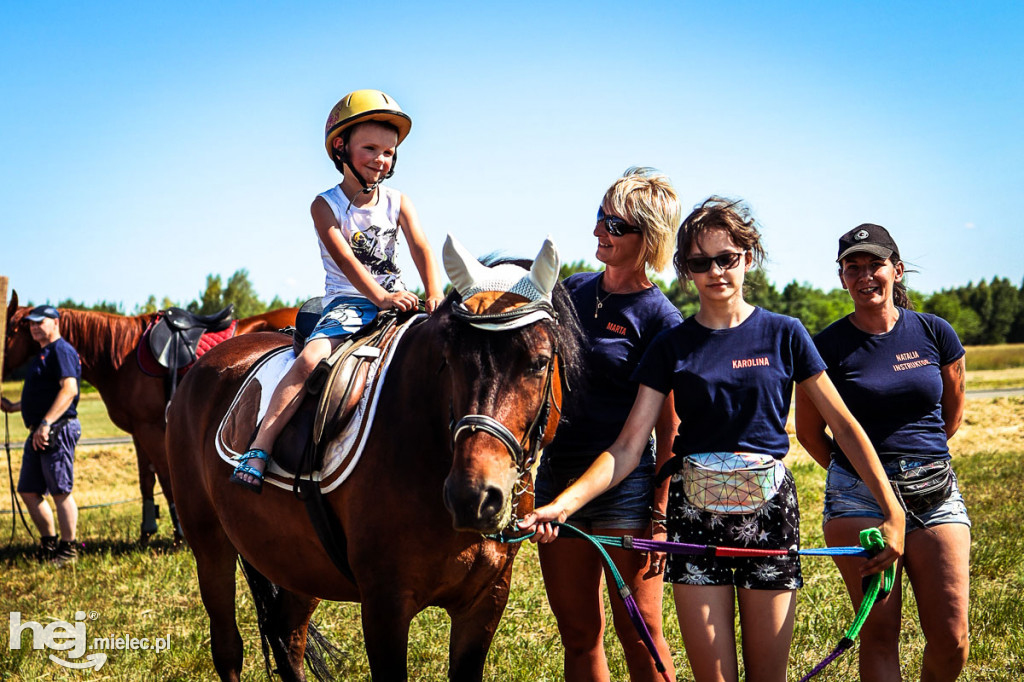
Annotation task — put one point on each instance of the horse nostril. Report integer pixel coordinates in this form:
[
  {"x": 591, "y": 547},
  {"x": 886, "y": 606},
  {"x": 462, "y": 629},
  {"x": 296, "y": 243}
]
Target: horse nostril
[{"x": 492, "y": 502}]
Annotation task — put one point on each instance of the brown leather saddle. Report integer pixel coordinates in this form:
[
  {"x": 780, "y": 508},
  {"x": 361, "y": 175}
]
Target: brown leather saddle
[{"x": 332, "y": 392}]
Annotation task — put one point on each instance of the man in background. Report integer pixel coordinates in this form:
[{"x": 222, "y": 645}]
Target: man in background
[{"x": 48, "y": 405}]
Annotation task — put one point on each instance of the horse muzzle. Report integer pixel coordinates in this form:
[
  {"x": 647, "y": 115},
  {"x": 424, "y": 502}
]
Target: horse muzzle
[{"x": 478, "y": 504}]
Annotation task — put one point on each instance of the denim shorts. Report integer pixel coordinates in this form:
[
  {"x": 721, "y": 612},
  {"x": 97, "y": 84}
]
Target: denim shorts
[
  {"x": 846, "y": 495},
  {"x": 343, "y": 317},
  {"x": 53, "y": 469},
  {"x": 628, "y": 505}
]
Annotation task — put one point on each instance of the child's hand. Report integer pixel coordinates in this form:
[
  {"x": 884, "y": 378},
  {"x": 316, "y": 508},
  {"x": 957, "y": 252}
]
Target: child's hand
[
  {"x": 403, "y": 300},
  {"x": 433, "y": 302}
]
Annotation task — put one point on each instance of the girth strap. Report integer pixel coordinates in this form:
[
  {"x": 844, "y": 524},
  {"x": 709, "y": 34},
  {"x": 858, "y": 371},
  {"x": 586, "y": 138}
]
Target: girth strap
[{"x": 326, "y": 524}]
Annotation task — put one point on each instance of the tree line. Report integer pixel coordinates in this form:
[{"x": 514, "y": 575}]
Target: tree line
[{"x": 984, "y": 313}]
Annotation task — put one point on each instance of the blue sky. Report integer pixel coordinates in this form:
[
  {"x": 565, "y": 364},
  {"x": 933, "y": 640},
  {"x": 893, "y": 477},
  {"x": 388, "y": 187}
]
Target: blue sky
[{"x": 146, "y": 145}]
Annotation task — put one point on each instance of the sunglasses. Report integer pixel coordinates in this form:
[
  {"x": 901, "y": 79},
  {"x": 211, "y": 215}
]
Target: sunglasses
[
  {"x": 725, "y": 261},
  {"x": 616, "y": 227}
]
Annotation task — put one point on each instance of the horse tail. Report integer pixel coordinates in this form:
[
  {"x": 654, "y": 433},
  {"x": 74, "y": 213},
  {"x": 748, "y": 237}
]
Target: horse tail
[{"x": 265, "y": 596}]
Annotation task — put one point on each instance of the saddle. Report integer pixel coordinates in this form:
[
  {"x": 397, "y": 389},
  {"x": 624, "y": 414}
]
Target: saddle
[
  {"x": 332, "y": 392},
  {"x": 176, "y": 338}
]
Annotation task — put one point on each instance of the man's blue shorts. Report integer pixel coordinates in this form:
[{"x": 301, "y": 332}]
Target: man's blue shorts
[{"x": 53, "y": 469}]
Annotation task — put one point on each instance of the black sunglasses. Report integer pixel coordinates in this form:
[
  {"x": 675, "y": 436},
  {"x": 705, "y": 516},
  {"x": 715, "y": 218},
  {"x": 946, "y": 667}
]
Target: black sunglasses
[
  {"x": 616, "y": 227},
  {"x": 725, "y": 261}
]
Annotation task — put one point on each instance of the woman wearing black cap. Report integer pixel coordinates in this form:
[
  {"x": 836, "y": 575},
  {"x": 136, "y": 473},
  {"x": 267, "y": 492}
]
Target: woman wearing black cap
[{"x": 901, "y": 373}]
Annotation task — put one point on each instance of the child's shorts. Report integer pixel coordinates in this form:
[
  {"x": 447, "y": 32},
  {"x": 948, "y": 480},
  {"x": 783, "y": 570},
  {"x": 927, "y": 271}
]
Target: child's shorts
[{"x": 343, "y": 317}]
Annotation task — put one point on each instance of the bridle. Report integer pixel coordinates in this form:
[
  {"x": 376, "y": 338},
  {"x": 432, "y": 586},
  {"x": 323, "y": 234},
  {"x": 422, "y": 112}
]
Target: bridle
[{"x": 524, "y": 451}]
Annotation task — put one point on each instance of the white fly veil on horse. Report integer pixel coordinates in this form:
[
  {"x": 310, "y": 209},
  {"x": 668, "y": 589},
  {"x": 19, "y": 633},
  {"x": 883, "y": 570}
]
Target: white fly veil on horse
[{"x": 505, "y": 296}]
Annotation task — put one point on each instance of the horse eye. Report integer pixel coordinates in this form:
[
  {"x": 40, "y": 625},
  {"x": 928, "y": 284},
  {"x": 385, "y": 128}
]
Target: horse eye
[{"x": 539, "y": 364}]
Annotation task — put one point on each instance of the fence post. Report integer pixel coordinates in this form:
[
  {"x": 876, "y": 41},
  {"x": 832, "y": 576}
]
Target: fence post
[{"x": 3, "y": 323}]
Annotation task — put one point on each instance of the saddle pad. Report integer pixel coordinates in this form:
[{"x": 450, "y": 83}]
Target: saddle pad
[
  {"x": 250, "y": 404},
  {"x": 148, "y": 362}
]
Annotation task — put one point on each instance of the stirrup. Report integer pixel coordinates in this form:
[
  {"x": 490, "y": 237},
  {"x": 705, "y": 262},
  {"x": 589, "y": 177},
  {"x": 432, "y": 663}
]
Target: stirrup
[{"x": 244, "y": 468}]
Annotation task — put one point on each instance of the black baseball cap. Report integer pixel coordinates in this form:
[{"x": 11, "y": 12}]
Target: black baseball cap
[
  {"x": 868, "y": 238},
  {"x": 40, "y": 312}
]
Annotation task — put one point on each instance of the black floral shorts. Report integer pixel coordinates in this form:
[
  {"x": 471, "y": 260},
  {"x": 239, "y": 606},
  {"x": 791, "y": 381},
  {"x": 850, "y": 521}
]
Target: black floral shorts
[{"x": 776, "y": 525}]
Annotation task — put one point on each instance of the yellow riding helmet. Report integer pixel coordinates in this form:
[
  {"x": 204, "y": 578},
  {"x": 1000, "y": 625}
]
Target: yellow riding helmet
[{"x": 361, "y": 106}]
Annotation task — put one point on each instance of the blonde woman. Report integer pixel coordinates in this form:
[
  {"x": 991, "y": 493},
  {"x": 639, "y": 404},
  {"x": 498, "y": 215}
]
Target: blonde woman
[{"x": 620, "y": 311}]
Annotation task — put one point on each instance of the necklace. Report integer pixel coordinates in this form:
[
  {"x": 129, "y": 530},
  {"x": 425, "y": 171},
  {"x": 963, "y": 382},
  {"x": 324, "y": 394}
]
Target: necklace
[{"x": 600, "y": 301}]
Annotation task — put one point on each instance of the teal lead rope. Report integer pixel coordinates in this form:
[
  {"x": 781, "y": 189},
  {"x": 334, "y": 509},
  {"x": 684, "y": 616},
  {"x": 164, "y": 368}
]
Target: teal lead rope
[{"x": 871, "y": 543}]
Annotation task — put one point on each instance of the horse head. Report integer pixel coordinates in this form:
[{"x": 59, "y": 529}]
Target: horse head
[
  {"x": 509, "y": 341},
  {"x": 19, "y": 345}
]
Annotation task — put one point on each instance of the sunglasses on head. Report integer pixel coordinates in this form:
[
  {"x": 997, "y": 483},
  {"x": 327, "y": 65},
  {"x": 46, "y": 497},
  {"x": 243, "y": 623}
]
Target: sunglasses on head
[
  {"x": 725, "y": 261},
  {"x": 616, "y": 227}
]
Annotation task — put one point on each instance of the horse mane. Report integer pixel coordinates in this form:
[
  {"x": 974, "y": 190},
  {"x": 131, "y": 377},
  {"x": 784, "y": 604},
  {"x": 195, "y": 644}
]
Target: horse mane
[
  {"x": 97, "y": 335},
  {"x": 483, "y": 346}
]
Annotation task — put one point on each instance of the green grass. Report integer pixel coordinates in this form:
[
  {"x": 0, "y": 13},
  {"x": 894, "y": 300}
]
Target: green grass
[
  {"x": 1002, "y": 356},
  {"x": 151, "y": 592}
]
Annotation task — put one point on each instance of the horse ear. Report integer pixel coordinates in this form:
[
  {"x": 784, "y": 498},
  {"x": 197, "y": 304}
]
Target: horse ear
[
  {"x": 13, "y": 307},
  {"x": 544, "y": 273},
  {"x": 462, "y": 268}
]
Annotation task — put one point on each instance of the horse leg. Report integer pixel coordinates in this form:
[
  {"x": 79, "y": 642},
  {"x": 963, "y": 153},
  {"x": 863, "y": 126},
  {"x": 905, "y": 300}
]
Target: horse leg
[
  {"x": 386, "y": 616},
  {"x": 215, "y": 566},
  {"x": 473, "y": 628},
  {"x": 147, "y": 481},
  {"x": 151, "y": 438},
  {"x": 283, "y": 620}
]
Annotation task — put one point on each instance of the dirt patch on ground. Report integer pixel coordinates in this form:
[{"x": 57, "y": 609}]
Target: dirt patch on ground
[{"x": 991, "y": 425}]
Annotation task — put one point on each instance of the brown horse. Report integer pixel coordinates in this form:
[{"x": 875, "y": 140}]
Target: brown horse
[
  {"x": 412, "y": 511},
  {"x": 135, "y": 401}
]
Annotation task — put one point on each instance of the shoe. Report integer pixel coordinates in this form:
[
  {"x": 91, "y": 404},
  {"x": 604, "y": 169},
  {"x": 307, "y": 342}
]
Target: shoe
[
  {"x": 67, "y": 553},
  {"x": 47, "y": 548},
  {"x": 244, "y": 468}
]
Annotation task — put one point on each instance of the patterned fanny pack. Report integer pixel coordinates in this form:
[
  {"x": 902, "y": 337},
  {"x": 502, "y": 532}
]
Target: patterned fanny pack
[{"x": 730, "y": 482}]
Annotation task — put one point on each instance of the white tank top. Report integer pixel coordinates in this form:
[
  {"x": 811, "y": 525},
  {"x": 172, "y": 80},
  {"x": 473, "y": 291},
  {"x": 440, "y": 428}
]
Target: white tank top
[{"x": 372, "y": 234}]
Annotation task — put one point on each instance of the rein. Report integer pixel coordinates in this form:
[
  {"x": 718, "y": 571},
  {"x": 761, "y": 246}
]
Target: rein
[{"x": 871, "y": 543}]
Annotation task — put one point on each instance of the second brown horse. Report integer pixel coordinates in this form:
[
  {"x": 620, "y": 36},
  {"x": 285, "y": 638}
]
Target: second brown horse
[{"x": 106, "y": 344}]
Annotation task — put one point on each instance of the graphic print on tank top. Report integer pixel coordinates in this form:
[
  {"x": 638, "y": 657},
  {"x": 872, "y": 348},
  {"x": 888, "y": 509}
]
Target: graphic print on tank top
[{"x": 375, "y": 248}]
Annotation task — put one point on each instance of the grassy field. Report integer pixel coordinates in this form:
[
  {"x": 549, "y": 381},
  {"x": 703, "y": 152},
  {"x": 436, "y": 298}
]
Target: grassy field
[
  {"x": 1002, "y": 356},
  {"x": 151, "y": 591}
]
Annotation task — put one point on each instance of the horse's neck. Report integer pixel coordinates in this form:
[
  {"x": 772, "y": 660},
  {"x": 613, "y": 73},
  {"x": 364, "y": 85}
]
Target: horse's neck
[
  {"x": 419, "y": 381},
  {"x": 103, "y": 342}
]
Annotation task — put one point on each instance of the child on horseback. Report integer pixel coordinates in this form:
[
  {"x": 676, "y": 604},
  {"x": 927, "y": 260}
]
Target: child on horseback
[{"x": 357, "y": 225}]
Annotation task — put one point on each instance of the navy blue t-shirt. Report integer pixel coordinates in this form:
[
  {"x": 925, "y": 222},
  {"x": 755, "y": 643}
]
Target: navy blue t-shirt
[
  {"x": 732, "y": 387},
  {"x": 617, "y": 334},
  {"x": 892, "y": 382},
  {"x": 53, "y": 363}
]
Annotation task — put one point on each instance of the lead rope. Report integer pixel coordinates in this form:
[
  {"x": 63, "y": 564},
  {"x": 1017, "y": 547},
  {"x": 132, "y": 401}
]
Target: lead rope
[
  {"x": 871, "y": 544},
  {"x": 16, "y": 510}
]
